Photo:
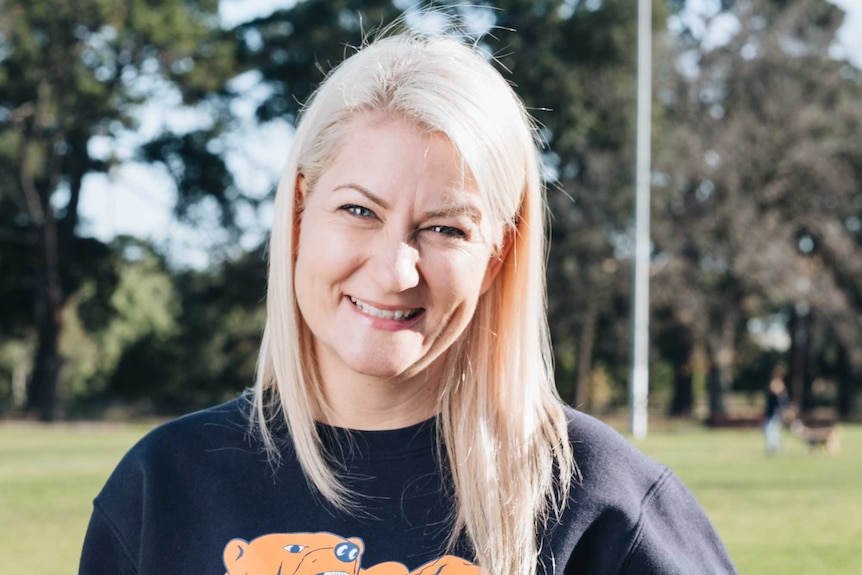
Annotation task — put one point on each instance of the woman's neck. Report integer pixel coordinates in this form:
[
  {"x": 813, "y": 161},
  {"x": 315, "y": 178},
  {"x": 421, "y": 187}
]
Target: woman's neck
[{"x": 371, "y": 403}]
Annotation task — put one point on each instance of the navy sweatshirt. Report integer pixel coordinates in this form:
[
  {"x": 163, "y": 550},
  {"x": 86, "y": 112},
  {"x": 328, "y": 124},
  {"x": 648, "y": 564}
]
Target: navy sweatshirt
[{"x": 199, "y": 496}]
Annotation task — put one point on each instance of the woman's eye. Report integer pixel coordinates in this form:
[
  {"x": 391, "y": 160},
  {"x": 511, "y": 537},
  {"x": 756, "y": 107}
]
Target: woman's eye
[
  {"x": 448, "y": 231},
  {"x": 358, "y": 211}
]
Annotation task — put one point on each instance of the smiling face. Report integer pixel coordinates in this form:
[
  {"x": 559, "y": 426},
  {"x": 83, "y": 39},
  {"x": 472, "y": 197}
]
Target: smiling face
[{"x": 394, "y": 252}]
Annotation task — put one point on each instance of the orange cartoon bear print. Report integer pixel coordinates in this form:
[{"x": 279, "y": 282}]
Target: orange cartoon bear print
[
  {"x": 322, "y": 553},
  {"x": 293, "y": 554},
  {"x": 446, "y": 565}
]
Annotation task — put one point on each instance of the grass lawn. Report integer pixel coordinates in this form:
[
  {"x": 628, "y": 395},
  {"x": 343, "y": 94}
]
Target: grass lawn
[
  {"x": 48, "y": 479},
  {"x": 797, "y": 513}
]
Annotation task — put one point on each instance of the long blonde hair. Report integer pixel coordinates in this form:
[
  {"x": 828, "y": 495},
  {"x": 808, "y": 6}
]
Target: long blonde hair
[{"x": 500, "y": 419}]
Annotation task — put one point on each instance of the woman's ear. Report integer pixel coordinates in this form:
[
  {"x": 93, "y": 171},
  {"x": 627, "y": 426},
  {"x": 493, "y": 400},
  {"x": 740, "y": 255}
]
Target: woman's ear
[
  {"x": 495, "y": 264},
  {"x": 299, "y": 190}
]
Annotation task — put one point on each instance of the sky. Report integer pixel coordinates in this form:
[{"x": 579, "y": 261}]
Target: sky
[
  {"x": 850, "y": 34},
  {"x": 137, "y": 199}
]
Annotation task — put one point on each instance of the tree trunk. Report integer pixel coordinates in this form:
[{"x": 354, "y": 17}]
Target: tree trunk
[
  {"x": 683, "y": 393},
  {"x": 800, "y": 334},
  {"x": 585, "y": 354},
  {"x": 38, "y": 181},
  {"x": 720, "y": 379},
  {"x": 848, "y": 378},
  {"x": 44, "y": 388},
  {"x": 678, "y": 349}
]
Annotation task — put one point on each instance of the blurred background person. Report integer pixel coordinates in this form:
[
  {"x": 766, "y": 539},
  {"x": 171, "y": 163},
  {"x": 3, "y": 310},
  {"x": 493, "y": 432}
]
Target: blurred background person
[{"x": 777, "y": 409}]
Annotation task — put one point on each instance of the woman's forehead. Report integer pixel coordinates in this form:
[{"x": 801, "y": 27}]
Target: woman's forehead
[{"x": 373, "y": 135}]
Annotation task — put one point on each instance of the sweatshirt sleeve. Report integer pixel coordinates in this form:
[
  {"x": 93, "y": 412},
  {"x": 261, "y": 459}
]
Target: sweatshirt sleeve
[
  {"x": 674, "y": 535},
  {"x": 103, "y": 551}
]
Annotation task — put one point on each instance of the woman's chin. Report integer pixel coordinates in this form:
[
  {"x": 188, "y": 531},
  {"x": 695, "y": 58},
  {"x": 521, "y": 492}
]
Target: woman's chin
[
  {"x": 389, "y": 368},
  {"x": 384, "y": 370}
]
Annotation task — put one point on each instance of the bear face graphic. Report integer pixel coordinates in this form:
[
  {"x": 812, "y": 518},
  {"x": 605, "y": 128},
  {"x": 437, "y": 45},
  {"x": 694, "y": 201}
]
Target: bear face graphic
[{"x": 294, "y": 554}]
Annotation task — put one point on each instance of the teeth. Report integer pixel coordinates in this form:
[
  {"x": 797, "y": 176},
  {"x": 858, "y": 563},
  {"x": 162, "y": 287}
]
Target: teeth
[{"x": 397, "y": 315}]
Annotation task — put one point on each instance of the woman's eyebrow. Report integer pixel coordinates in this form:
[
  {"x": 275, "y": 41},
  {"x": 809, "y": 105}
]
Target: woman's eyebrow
[
  {"x": 468, "y": 209},
  {"x": 365, "y": 192}
]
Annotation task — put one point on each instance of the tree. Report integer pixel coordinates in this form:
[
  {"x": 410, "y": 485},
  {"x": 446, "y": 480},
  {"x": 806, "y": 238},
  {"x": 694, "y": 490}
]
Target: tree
[
  {"x": 68, "y": 72},
  {"x": 761, "y": 174},
  {"x": 207, "y": 353}
]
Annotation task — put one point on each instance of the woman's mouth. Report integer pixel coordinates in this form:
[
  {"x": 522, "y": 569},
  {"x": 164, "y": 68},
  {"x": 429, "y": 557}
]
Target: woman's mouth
[{"x": 396, "y": 315}]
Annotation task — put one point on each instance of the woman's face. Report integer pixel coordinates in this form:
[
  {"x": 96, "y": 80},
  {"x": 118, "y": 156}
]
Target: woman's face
[{"x": 394, "y": 252}]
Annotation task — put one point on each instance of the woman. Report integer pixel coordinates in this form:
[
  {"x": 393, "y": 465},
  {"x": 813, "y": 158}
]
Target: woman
[{"x": 404, "y": 418}]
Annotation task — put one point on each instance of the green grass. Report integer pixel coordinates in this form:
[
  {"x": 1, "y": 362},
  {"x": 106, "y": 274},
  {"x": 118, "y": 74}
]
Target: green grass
[
  {"x": 48, "y": 479},
  {"x": 797, "y": 513}
]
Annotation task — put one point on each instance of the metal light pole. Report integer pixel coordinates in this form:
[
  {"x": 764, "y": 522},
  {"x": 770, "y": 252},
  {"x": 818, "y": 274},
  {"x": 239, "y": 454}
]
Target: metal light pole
[{"x": 638, "y": 386}]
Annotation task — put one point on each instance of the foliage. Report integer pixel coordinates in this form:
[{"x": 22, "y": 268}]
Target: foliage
[
  {"x": 761, "y": 189},
  {"x": 212, "y": 354},
  {"x": 144, "y": 305},
  {"x": 69, "y": 72},
  {"x": 175, "y": 341}
]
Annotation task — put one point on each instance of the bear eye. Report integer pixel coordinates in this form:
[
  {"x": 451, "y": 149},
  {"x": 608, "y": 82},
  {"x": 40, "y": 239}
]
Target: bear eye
[
  {"x": 347, "y": 552},
  {"x": 294, "y": 548}
]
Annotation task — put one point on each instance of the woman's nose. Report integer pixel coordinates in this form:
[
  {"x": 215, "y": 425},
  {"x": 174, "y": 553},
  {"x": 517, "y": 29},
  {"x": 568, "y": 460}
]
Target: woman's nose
[{"x": 396, "y": 265}]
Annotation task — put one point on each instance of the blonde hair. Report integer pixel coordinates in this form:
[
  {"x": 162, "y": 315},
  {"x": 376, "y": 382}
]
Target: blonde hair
[{"x": 500, "y": 420}]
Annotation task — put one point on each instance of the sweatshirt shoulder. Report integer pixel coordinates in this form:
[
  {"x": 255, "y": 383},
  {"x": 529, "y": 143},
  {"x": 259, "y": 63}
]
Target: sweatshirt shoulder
[
  {"x": 214, "y": 426},
  {"x": 602, "y": 446},
  {"x": 178, "y": 447},
  {"x": 173, "y": 471},
  {"x": 631, "y": 514},
  {"x": 610, "y": 467}
]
